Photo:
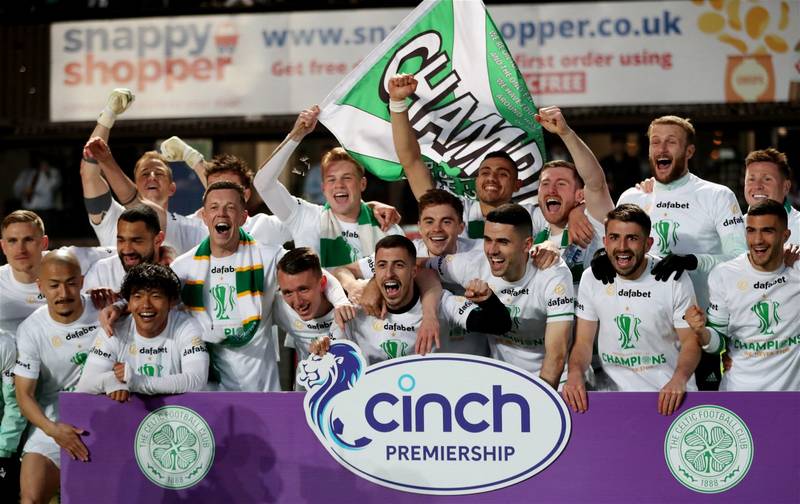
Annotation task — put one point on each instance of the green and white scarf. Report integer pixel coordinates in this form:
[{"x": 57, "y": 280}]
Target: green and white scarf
[
  {"x": 249, "y": 287},
  {"x": 334, "y": 249}
]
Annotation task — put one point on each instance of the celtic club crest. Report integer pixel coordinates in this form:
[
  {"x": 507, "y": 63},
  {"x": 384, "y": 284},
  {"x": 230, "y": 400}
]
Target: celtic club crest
[
  {"x": 174, "y": 447},
  {"x": 708, "y": 449}
]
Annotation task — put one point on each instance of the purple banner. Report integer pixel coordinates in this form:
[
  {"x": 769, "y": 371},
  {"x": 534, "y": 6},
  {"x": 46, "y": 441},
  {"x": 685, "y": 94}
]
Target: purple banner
[{"x": 264, "y": 451}]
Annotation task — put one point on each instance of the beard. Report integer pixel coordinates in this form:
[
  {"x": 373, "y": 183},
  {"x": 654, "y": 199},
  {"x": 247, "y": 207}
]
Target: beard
[
  {"x": 678, "y": 165},
  {"x": 150, "y": 258}
]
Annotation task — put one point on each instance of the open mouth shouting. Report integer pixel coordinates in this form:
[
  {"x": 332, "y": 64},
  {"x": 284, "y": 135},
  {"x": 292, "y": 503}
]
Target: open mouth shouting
[
  {"x": 391, "y": 288},
  {"x": 147, "y": 316},
  {"x": 497, "y": 264},
  {"x": 341, "y": 197},
  {"x": 223, "y": 229},
  {"x": 552, "y": 204},
  {"x": 760, "y": 253},
  {"x": 663, "y": 165},
  {"x": 624, "y": 260}
]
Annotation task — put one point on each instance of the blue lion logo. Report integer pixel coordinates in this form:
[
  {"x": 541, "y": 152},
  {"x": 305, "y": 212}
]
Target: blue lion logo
[{"x": 325, "y": 377}]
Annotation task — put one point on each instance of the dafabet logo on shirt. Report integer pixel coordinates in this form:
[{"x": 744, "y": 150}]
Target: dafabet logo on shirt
[{"x": 446, "y": 424}]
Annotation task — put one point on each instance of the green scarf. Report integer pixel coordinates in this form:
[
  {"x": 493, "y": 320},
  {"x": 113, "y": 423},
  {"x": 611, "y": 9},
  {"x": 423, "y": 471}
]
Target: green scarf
[
  {"x": 334, "y": 249},
  {"x": 249, "y": 287}
]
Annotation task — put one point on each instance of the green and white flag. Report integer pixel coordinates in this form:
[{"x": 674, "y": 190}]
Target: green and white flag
[{"x": 471, "y": 98}]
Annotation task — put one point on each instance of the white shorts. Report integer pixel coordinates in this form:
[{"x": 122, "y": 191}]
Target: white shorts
[{"x": 41, "y": 443}]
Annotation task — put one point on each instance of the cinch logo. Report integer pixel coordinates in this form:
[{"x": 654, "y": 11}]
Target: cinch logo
[
  {"x": 446, "y": 424},
  {"x": 143, "y": 55}
]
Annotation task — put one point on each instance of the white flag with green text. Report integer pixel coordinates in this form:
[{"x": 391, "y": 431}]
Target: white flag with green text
[{"x": 471, "y": 98}]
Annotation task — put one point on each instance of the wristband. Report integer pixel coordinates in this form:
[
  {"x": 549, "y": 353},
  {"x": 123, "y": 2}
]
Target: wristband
[
  {"x": 398, "y": 106},
  {"x": 107, "y": 118}
]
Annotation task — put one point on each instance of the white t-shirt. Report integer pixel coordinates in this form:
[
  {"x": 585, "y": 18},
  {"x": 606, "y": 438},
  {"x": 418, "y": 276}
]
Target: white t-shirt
[
  {"x": 253, "y": 366},
  {"x": 395, "y": 336},
  {"x": 300, "y": 333},
  {"x": 637, "y": 342},
  {"x": 173, "y": 362},
  {"x": 182, "y": 233},
  {"x": 54, "y": 353},
  {"x": 794, "y": 226},
  {"x": 106, "y": 273},
  {"x": 693, "y": 216},
  {"x": 475, "y": 220},
  {"x": 533, "y": 301},
  {"x": 18, "y": 300},
  {"x": 304, "y": 224},
  {"x": 758, "y": 312}
]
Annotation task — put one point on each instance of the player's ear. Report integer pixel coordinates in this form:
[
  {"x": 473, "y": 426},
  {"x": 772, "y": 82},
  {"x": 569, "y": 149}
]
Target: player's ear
[
  {"x": 690, "y": 151},
  {"x": 159, "y": 239},
  {"x": 528, "y": 244},
  {"x": 45, "y": 242},
  {"x": 648, "y": 244}
]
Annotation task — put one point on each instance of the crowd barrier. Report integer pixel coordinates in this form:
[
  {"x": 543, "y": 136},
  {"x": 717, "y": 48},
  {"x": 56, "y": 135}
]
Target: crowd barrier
[{"x": 262, "y": 450}]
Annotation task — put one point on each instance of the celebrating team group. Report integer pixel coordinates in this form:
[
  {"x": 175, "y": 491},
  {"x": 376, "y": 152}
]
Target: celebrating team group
[{"x": 642, "y": 296}]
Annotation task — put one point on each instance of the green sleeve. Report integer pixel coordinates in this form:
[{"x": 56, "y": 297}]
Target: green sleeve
[{"x": 13, "y": 423}]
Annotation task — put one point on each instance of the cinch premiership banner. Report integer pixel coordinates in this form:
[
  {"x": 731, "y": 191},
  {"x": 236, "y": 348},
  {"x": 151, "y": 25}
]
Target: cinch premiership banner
[
  {"x": 470, "y": 98},
  {"x": 598, "y": 53},
  {"x": 249, "y": 447}
]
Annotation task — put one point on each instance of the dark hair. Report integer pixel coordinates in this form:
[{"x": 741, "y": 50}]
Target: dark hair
[
  {"x": 560, "y": 163},
  {"x": 151, "y": 276},
  {"x": 513, "y": 214},
  {"x": 222, "y": 163},
  {"x": 298, "y": 260},
  {"x": 502, "y": 155},
  {"x": 770, "y": 207},
  {"x": 397, "y": 241},
  {"x": 224, "y": 184},
  {"x": 433, "y": 197},
  {"x": 771, "y": 155},
  {"x": 628, "y": 212},
  {"x": 142, "y": 213}
]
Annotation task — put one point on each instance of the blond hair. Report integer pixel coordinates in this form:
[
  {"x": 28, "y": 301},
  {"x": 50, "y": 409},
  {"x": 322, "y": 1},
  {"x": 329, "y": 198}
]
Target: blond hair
[
  {"x": 684, "y": 124},
  {"x": 148, "y": 157},
  {"x": 339, "y": 154},
  {"x": 23, "y": 217}
]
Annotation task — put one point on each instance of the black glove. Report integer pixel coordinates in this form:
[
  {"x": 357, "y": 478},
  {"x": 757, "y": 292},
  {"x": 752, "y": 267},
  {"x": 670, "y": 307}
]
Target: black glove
[
  {"x": 602, "y": 268},
  {"x": 674, "y": 263}
]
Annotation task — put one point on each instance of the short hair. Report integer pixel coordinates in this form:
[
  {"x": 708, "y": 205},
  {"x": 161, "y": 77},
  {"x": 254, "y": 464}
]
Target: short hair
[
  {"x": 560, "y": 163},
  {"x": 148, "y": 157},
  {"x": 397, "y": 241},
  {"x": 771, "y": 155},
  {"x": 502, "y": 155},
  {"x": 299, "y": 260},
  {"x": 514, "y": 215},
  {"x": 434, "y": 197},
  {"x": 339, "y": 154},
  {"x": 23, "y": 217},
  {"x": 684, "y": 124},
  {"x": 222, "y": 163},
  {"x": 225, "y": 184},
  {"x": 770, "y": 207},
  {"x": 151, "y": 276},
  {"x": 628, "y": 212},
  {"x": 142, "y": 213}
]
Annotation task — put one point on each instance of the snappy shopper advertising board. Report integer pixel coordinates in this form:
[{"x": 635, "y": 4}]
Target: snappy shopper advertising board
[{"x": 569, "y": 54}]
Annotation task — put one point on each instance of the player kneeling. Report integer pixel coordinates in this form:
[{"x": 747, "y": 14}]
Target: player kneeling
[{"x": 155, "y": 350}]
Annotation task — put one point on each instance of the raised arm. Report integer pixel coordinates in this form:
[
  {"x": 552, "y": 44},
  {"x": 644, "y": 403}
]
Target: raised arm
[
  {"x": 96, "y": 194},
  {"x": 275, "y": 195},
  {"x": 598, "y": 198},
  {"x": 175, "y": 149},
  {"x": 405, "y": 140}
]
